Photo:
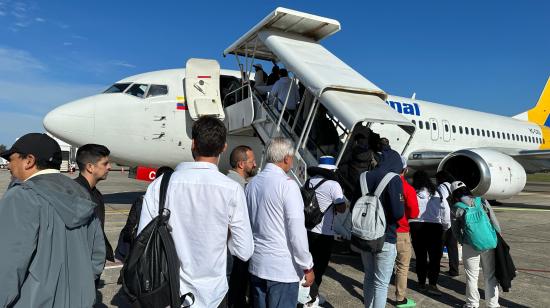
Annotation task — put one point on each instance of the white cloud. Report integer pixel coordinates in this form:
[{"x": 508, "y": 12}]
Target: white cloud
[
  {"x": 18, "y": 61},
  {"x": 67, "y": 43},
  {"x": 122, "y": 63},
  {"x": 79, "y": 37},
  {"x": 39, "y": 19}
]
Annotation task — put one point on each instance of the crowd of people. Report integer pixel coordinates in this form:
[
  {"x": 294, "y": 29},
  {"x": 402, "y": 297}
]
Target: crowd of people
[{"x": 240, "y": 238}]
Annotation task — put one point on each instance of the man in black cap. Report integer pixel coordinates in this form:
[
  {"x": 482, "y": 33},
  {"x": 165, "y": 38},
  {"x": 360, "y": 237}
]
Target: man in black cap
[
  {"x": 94, "y": 165},
  {"x": 52, "y": 245}
]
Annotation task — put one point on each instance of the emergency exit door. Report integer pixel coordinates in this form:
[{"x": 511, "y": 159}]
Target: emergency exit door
[
  {"x": 446, "y": 131},
  {"x": 434, "y": 129}
]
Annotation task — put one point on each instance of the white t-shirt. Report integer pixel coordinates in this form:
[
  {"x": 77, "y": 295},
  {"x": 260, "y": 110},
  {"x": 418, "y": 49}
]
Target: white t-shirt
[{"x": 328, "y": 193}]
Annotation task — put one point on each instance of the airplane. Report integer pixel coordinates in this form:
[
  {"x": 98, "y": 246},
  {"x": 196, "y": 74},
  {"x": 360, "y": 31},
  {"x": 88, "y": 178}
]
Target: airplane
[{"x": 146, "y": 119}]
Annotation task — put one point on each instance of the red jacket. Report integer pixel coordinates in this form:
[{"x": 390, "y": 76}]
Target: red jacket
[{"x": 411, "y": 206}]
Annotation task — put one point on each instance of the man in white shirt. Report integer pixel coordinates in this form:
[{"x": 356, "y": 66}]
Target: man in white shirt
[
  {"x": 280, "y": 91},
  {"x": 206, "y": 207},
  {"x": 330, "y": 198},
  {"x": 281, "y": 253},
  {"x": 260, "y": 78}
]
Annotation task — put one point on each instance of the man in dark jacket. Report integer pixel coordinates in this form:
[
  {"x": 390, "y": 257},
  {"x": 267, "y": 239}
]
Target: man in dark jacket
[
  {"x": 379, "y": 266},
  {"x": 52, "y": 245},
  {"x": 93, "y": 163}
]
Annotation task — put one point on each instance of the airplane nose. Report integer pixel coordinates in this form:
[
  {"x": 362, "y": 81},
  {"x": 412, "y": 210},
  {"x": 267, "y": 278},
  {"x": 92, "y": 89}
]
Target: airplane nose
[{"x": 72, "y": 122}]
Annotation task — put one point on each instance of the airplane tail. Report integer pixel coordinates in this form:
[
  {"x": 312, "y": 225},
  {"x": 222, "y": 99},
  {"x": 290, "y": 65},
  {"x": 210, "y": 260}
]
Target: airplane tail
[{"x": 539, "y": 114}]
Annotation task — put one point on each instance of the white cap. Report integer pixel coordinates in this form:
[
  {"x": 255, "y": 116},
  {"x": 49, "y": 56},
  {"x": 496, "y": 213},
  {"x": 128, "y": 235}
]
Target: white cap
[
  {"x": 456, "y": 185},
  {"x": 404, "y": 161}
]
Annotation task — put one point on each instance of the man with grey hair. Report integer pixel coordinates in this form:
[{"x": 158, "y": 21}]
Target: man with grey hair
[{"x": 276, "y": 210}]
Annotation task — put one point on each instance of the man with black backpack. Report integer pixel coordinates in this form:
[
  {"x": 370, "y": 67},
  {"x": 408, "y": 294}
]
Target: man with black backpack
[
  {"x": 328, "y": 198},
  {"x": 206, "y": 207},
  {"x": 379, "y": 264}
]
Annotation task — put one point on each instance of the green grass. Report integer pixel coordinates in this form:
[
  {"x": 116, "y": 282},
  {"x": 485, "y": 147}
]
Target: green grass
[{"x": 538, "y": 177}]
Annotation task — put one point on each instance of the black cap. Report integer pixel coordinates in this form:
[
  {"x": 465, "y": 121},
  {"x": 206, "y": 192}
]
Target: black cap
[{"x": 41, "y": 146}]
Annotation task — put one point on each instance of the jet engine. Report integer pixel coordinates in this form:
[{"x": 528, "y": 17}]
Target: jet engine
[{"x": 487, "y": 173}]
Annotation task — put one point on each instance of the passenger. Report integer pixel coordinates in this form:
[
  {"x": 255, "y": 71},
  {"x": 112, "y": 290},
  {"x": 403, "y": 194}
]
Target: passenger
[
  {"x": 379, "y": 266},
  {"x": 427, "y": 231},
  {"x": 321, "y": 237},
  {"x": 206, "y": 207},
  {"x": 260, "y": 78},
  {"x": 404, "y": 248},
  {"x": 274, "y": 76},
  {"x": 47, "y": 226},
  {"x": 243, "y": 164},
  {"x": 280, "y": 91},
  {"x": 94, "y": 166},
  {"x": 471, "y": 257},
  {"x": 129, "y": 231},
  {"x": 281, "y": 254},
  {"x": 444, "y": 180}
]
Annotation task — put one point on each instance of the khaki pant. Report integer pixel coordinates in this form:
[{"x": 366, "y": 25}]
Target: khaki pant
[{"x": 404, "y": 251}]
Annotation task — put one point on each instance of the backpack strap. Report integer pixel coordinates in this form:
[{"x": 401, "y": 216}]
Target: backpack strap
[
  {"x": 318, "y": 184},
  {"x": 163, "y": 190},
  {"x": 363, "y": 182},
  {"x": 382, "y": 185},
  {"x": 461, "y": 205}
]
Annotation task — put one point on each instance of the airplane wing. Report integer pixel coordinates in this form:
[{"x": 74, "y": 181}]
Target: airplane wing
[{"x": 531, "y": 160}]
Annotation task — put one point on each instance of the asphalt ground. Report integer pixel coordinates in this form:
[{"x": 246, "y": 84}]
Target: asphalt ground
[{"x": 525, "y": 222}]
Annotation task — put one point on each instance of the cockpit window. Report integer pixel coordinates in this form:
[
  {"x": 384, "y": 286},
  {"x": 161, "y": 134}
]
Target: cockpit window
[
  {"x": 137, "y": 89},
  {"x": 117, "y": 88},
  {"x": 157, "y": 90}
]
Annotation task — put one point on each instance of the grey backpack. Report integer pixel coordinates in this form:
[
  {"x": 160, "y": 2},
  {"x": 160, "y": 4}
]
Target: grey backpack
[{"x": 368, "y": 221}]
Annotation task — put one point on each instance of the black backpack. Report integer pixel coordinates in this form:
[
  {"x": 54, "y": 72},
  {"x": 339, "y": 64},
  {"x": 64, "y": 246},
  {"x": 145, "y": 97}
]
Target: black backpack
[
  {"x": 312, "y": 212},
  {"x": 150, "y": 276}
]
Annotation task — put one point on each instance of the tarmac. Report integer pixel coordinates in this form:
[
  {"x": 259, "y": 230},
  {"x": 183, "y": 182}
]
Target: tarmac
[{"x": 524, "y": 219}]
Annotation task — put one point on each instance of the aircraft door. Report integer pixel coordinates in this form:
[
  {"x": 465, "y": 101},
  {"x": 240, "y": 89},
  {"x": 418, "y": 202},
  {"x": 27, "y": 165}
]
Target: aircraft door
[
  {"x": 446, "y": 130},
  {"x": 434, "y": 129},
  {"x": 202, "y": 88}
]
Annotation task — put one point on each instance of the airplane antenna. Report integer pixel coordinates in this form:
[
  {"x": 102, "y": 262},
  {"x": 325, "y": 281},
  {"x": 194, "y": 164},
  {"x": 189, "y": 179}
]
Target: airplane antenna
[{"x": 414, "y": 96}]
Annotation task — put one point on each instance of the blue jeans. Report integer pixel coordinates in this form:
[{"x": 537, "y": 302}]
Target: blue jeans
[
  {"x": 378, "y": 270},
  {"x": 273, "y": 294}
]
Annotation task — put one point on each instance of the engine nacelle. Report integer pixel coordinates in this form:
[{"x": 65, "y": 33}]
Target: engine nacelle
[{"x": 486, "y": 172}]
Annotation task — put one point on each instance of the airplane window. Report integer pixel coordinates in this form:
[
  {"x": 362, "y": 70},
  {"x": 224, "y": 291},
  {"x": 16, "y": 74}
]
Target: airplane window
[
  {"x": 483, "y": 132},
  {"x": 529, "y": 138},
  {"x": 508, "y": 136},
  {"x": 446, "y": 127},
  {"x": 466, "y": 130},
  {"x": 460, "y": 129},
  {"x": 454, "y": 129},
  {"x": 427, "y": 125},
  {"x": 477, "y": 131},
  {"x": 414, "y": 122},
  {"x": 137, "y": 89},
  {"x": 117, "y": 88},
  {"x": 517, "y": 137},
  {"x": 498, "y": 135},
  {"x": 493, "y": 133},
  {"x": 420, "y": 124},
  {"x": 513, "y": 137},
  {"x": 157, "y": 90},
  {"x": 434, "y": 126},
  {"x": 521, "y": 137}
]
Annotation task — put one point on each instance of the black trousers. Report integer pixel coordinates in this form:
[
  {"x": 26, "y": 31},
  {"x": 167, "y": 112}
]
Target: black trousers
[
  {"x": 239, "y": 283},
  {"x": 320, "y": 247},
  {"x": 427, "y": 241},
  {"x": 452, "y": 250}
]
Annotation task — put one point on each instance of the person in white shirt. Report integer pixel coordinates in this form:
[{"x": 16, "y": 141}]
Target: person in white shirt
[
  {"x": 427, "y": 231},
  {"x": 260, "y": 78},
  {"x": 281, "y": 253},
  {"x": 321, "y": 237},
  {"x": 206, "y": 207},
  {"x": 280, "y": 91}
]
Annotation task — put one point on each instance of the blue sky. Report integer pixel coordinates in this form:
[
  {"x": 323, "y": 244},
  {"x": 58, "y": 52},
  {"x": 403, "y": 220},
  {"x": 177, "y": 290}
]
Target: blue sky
[{"x": 492, "y": 56}]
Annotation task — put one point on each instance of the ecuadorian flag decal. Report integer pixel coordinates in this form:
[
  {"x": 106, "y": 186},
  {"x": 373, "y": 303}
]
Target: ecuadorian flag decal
[{"x": 181, "y": 104}]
